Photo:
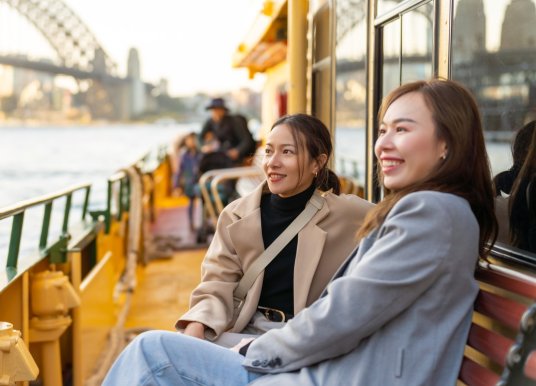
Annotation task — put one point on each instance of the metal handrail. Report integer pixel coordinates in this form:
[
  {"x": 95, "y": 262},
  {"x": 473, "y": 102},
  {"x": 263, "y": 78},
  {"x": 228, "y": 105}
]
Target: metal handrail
[
  {"x": 11, "y": 210},
  {"x": 231, "y": 174},
  {"x": 17, "y": 211}
]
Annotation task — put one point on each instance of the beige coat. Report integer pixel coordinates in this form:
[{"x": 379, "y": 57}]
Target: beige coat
[{"x": 323, "y": 244}]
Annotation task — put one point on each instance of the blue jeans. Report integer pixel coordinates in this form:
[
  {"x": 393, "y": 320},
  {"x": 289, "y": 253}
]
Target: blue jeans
[{"x": 167, "y": 358}]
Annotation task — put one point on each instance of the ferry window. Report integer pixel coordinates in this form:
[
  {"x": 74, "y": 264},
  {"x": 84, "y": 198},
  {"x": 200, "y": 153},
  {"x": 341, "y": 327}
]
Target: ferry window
[
  {"x": 417, "y": 47},
  {"x": 321, "y": 69},
  {"x": 387, "y": 5},
  {"x": 351, "y": 91},
  {"x": 390, "y": 56},
  {"x": 493, "y": 52},
  {"x": 321, "y": 94},
  {"x": 407, "y": 47}
]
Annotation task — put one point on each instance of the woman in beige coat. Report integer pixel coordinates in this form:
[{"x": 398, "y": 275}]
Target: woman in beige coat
[{"x": 297, "y": 152}]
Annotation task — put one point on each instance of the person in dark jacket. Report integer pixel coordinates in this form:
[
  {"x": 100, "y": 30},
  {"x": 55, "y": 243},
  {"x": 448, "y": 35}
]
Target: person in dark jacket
[{"x": 230, "y": 131}]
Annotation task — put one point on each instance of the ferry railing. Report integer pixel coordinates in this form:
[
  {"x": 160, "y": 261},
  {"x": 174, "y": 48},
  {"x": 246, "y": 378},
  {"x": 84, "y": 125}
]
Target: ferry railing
[
  {"x": 56, "y": 250},
  {"x": 121, "y": 180},
  {"x": 91, "y": 252}
]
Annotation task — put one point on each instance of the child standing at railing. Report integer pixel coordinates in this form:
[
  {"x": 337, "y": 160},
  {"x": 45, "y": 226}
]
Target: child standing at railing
[{"x": 188, "y": 173}]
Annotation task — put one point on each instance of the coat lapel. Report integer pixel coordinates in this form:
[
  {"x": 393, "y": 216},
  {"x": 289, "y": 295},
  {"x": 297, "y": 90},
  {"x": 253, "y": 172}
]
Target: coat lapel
[
  {"x": 356, "y": 255},
  {"x": 246, "y": 233},
  {"x": 311, "y": 241}
]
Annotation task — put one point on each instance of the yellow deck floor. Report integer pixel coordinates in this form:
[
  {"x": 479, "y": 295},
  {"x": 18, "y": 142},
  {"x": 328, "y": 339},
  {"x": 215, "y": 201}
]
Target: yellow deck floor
[
  {"x": 163, "y": 292},
  {"x": 164, "y": 287}
]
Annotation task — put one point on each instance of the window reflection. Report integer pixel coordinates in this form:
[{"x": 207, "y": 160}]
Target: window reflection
[
  {"x": 407, "y": 47},
  {"x": 417, "y": 43},
  {"x": 350, "y": 92},
  {"x": 390, "y": 56},
  {"x": 386, "y": 5},
  {"x": 493, "y": 53}
]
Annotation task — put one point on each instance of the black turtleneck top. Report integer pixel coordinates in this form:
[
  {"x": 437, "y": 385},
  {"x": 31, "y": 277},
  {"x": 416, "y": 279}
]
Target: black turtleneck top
[{"x": 276, "y": 214}]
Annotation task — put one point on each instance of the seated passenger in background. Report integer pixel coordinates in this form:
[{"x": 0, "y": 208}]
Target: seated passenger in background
[
  {"x": 295, "y": 164},
  {"x": 398, "y": 311},
  {"x": 188, "y": 173},
  {"x": 509, "y": 213},
  {"x": 229, "y": 132},
  {"x": 522, "y": 202},
  {"x": 520, "y": 148}
]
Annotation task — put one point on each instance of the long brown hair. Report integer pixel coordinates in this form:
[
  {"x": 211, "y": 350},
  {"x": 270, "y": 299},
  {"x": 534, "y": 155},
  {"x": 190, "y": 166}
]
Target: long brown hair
[
  {"x": 311, "y": 135},
  {"x": 465, "y": 171}
]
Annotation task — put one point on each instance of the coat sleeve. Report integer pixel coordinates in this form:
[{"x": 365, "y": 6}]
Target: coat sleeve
[
  {"x": 211, "y": 303},
  {"x": 400, "y": 265}
]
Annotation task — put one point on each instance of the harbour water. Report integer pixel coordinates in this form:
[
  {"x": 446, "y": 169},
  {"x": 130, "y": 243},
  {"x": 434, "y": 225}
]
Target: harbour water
[
  {"x": 39, "y": 160},
  {"x": 35, "y": 161}
]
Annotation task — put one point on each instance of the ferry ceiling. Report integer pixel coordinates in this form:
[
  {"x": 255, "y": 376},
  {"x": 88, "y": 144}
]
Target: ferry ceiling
[{"x": 79, "y": 55}]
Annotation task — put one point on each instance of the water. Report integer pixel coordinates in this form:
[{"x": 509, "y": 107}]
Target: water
[{"x": 41, "y": 160}]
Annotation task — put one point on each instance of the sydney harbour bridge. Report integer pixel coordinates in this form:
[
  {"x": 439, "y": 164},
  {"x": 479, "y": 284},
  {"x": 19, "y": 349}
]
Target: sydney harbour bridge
[{"x": 80, "y": 56}]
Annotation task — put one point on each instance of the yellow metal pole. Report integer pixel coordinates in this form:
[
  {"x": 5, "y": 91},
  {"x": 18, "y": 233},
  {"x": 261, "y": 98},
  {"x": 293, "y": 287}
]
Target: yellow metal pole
[
  {"x": 76, "y": 280},
  {"x": 297, "y": 55},
  {"x": 25, "y": 309},
  {"x": 51, "y": 358}
]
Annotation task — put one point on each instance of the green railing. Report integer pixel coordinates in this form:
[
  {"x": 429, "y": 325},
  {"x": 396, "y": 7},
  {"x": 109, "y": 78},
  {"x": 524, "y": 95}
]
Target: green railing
[
  {"x": 56, "y": 250},
  {"x": 118, "y": 193},
  {"x": 122, "y": 196}
]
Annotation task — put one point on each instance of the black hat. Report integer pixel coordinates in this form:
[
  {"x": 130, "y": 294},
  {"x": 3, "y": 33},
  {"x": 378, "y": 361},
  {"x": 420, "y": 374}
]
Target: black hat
[{"x": 216, "y": 103}]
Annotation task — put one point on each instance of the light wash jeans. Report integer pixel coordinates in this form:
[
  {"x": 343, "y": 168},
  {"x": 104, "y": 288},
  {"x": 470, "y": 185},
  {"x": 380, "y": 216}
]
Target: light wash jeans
[{"x": 167, "y": 358}]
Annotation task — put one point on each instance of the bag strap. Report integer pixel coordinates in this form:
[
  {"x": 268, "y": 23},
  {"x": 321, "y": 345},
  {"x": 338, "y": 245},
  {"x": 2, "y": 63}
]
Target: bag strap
[{"x": 314, "y": 205}]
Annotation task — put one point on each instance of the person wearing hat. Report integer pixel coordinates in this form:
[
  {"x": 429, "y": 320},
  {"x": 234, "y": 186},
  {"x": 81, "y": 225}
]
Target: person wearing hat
[{"x": 230, "y": 131}]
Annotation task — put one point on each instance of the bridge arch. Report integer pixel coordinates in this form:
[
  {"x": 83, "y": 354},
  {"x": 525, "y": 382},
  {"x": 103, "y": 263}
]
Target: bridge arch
[{"x": 67, "y": 34}]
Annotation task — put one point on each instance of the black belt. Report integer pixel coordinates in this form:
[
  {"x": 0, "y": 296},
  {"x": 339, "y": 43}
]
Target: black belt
[{"x": 274, "y": 315}]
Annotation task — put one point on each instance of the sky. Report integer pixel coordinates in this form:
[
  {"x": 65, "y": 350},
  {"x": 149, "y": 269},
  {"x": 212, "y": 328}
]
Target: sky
[{"x": 190, "y": 43}]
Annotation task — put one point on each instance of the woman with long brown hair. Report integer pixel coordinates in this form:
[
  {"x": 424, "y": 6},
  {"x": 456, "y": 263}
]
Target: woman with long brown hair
[{"x": 399, "y": 310}]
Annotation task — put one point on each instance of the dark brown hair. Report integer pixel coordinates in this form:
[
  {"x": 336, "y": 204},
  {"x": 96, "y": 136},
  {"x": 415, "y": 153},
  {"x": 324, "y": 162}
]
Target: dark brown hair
[
  {"x": 312, "y": 135},
  {"x": 517, "y": 205},
  {"x": 465, "y": 171}
]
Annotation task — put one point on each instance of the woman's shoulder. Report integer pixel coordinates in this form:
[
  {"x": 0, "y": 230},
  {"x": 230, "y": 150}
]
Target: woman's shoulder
[
  {"x": 434, "y": 218},
  {"x": 439, "y": 204},
  {"x": 345, "y": 202}
]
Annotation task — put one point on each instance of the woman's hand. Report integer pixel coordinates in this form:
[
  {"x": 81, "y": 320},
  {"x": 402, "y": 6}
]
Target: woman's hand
[{"x": 195, "y": 329}]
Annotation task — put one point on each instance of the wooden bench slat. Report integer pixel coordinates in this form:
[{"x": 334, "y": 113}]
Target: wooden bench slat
[
  {"x": 489, "y": 343},
  {"x": 530, "y": 366},
  {"x": 496, "y": 307},
  {"x": 509, "y": 283},
  {"x": 473, "y": 374}
]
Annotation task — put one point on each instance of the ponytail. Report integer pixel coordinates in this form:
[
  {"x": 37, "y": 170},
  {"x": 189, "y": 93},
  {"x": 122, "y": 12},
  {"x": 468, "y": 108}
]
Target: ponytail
[{"x": 326, "y": 180}]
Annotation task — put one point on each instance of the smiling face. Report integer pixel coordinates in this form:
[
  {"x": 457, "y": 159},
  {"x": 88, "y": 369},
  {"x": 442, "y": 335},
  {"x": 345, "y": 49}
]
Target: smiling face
[
  {"x": 407, "y": 147},
  {"x": 288, "y": 168}
]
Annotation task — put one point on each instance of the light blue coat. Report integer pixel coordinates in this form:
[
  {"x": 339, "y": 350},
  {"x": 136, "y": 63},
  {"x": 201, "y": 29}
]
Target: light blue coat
[{"x": 397, "y": 312}]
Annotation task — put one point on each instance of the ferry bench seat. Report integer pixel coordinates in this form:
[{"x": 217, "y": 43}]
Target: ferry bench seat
[{"x": 501, "y": 347}]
